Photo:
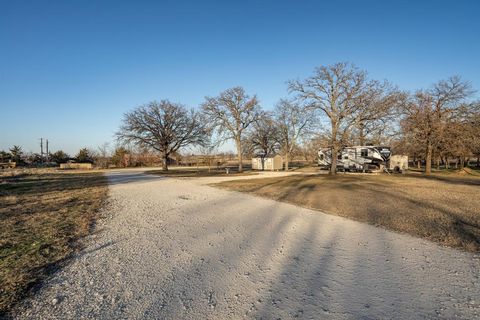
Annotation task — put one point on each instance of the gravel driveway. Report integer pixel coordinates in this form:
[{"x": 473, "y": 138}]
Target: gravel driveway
[{"x": 178, "y": 249}]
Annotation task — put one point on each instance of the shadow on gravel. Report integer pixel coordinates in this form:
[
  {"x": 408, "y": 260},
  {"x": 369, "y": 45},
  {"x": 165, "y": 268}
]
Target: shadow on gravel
[
  {"x": 302, "y": 267},
  {"x": 98, "y": 248}
]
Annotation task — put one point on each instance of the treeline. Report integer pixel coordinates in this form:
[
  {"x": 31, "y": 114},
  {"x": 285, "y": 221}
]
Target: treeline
[
  {"x": 116, "y": 157},
  {"x": 338, "y": 105},
  {"x": 101, "y": 157},
  {"x": 440, "y": 124},
  {"x": 21, "y": 158}
]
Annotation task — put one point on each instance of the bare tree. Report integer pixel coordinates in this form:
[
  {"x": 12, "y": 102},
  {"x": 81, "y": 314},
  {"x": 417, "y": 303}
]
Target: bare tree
[
  {"x": 207, "y": 152},
  {"x": 475, "y": 133},
  {"x": 103, "y": 158},
  {"x": 430, "y": 112},
  {"x": 335, "y": 90},
  {"x": 230, "y": 114},
  {"x": 380, "y": 105},
  {"x": 264, "y": 137},
  {"x": 293, "y": 121},
  {"x": 460, "y": 135},
  {"x": 163, "y": 126}
]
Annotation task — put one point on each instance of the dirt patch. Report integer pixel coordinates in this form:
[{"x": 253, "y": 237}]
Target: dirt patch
[
  {"x": 440, "y": 208},
  {"x": 41, "y": 217}
]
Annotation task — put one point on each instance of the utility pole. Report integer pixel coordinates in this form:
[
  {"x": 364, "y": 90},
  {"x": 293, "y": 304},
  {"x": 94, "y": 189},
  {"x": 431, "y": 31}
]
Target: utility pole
[
  {"x": 41, "y": 149},
  {"x": 47, "y": 151}
]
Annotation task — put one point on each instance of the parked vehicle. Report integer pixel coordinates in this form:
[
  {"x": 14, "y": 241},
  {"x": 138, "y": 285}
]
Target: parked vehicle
[{"x": 356, "y": 158}]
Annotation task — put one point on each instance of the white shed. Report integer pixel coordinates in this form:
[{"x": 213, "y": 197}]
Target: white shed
[
  {"x": 268, "y": 163},
  {"x": 398, "y": 163}
]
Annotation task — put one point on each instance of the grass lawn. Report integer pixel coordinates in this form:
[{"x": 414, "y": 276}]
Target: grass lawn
[
  {"x": 442, "y": 208},
  {"x": 467, "y": 171},
  {"x": 41, "y": 217}
]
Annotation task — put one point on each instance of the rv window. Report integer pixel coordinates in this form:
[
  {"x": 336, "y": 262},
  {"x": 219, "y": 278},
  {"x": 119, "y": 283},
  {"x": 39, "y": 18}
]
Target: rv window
[
  {"x": 364, "y": 152},
  {"x": 321, "y": 157},
  {"x": 339, "y": 156}
]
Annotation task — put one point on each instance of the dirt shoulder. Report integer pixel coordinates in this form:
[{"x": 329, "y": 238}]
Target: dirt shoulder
[
  {"x": 41, "y": 217},
  {"x": 440, "y": 208}
]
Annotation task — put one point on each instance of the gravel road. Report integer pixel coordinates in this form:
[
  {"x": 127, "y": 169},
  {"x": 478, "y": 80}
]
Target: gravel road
[{"x": 179, "y": 249}]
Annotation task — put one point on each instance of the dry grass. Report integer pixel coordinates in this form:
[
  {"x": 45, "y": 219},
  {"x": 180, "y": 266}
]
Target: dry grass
[
  {"x": 41, "y": 217},
  {"x": 445, "y": 209}
]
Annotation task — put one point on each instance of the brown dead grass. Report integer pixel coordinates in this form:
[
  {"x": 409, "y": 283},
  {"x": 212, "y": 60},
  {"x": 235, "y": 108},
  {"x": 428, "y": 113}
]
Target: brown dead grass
[
  {"x": 445, "y": 209},
  {"x": 41, "y": 217}
]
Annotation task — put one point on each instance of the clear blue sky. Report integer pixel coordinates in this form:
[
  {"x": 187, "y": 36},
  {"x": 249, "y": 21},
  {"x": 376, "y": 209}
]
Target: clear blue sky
[{"x": 70, "y": 69}]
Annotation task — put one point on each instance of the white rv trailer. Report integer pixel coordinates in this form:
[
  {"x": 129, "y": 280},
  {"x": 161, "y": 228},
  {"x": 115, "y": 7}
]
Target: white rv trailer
[{"x": 356, "y": 158}]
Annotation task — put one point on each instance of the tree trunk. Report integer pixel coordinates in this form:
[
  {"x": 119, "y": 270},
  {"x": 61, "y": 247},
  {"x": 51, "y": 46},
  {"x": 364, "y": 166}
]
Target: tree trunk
[
  {"x": 478, "y": 162},
  {"x": 438, "y": 163},
  {"x": 428, "y": 159},
  {"x": 361, "y": 134},
  {"x": 447, "y": 164},
  {"x": 240, "y": 155},
  {"x": 462, "y": 162},
  {"x": 419, "y": 164},
  {"x": 165, "y": 162},
  {"x": 286, "y": 161},
  {"x": 333, "y": 165}
]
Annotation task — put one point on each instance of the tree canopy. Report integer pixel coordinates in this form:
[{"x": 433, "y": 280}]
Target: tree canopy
[
  {"x": 163, "y": 126},
  {"x": 230, "y": 114}
]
